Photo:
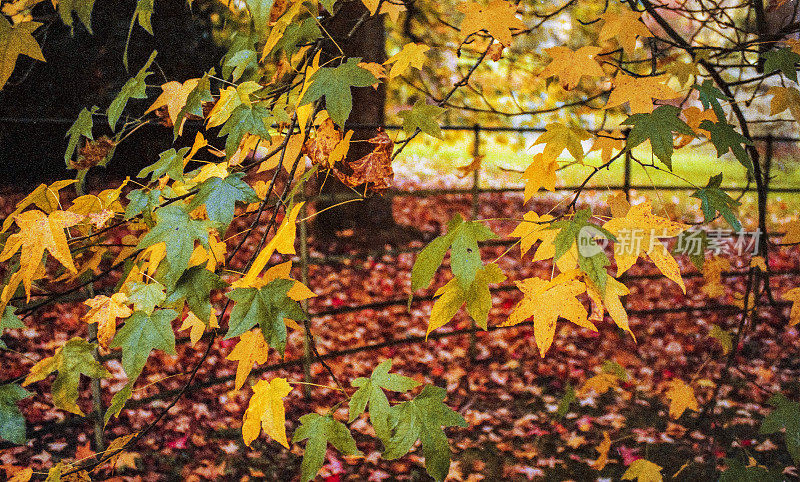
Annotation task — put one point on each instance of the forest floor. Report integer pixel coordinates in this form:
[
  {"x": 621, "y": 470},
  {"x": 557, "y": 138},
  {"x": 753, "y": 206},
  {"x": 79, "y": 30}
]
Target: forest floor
[{"x": 508, "y": 394}]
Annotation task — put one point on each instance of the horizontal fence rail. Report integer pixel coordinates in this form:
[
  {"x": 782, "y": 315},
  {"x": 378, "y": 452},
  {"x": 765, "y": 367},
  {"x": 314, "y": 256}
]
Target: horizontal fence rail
[{"x": 475, "y": 192}]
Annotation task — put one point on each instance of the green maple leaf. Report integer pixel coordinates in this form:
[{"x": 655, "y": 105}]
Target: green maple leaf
[
  {"x": 259, "y": 13},
  {"x": 175, "y": 228},
  {"x": 134, "y": 88},
  {"x": 143, "y": 14},
  {"x": 72, "y": 360},
  {"x": 82, "y": 127},
  {"x": 370, "y": 390},
  {"x": 658, "y": 127},
  {"x": 724, "y": 137},
  {"x": 569, "y": 233},
  {"x": 9, "y": 320},
  {"x": 296, "y": 34},
  {"x": 142, "y": 334},
  {"x": 15, "y": 41},
  {"x": 145, "y": 297},
  {"x": 334, "y": 84},
  {"x": 170, "y": 162},
  {"x": 710, "y": 96},
  {"x": 714, "y": 200},
  {"x": 142, "y": 201},
  {"x": 422, "y": 116},
  {"x": 422, "y": 419},
  {"x": 266, "y": 307},
  {"x": 244, "y": 120},
  {"x": 118, "y": 401},
  {"x": 478, "y": 298},
  {"x": 220, "y": 195},
  {"x": 194, "y": 102},
  {"x": 785, "y": 416},
  {"x": 320, "y": 430},
  {"x": 12, "y": 422},
  {"x": 83, "y": 8},
  {"x": 195, "y": 286},
  {"x": 241, "y": 61},
  {"x": 465, "y": 258},
  {"x": 783, "y": 59}
]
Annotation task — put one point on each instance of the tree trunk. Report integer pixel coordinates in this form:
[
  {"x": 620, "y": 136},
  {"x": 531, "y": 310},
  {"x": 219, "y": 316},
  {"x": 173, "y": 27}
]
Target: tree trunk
[{"x": 374, "y": 214}]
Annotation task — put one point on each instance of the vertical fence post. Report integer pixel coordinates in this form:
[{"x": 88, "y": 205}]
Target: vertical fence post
[
  {"x": 626, "y": 179},
  {"x": 304, "y": 303},
  {"x": 476, "y": 194}
]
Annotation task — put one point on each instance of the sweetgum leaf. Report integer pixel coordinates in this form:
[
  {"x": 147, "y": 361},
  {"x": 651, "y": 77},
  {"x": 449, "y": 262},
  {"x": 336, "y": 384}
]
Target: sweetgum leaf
[
  {"x": 334, "y": 84},
  {"x": 12, "y": 422},
  {"x": 320, "y": 430}
]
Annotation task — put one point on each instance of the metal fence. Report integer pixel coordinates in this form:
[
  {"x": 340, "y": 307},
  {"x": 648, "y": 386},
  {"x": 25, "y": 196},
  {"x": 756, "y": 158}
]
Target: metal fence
[{"x": 473, "y": 193}]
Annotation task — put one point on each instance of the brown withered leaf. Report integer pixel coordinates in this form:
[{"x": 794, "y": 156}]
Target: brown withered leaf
[
  {"x": 319, "y": 149},
  {"x": 93, "y": 153},
  {"x": 374, "y": 169}
]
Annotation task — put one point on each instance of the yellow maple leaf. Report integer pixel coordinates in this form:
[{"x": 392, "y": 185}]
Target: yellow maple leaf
[
  {"x": 266, "y": 411},
  {"x": 392, "y": 9},
  {"x": 602, "y": 448},
  {"x": 558, "y": 137},
  {"x": 638, "y": 235},
  {"x": 694, "y": 117},
  {"x": 412, "y": 55},
  {"x": 38, "y": 233},
  {"x": 293, "y": 149},
  {"x": 681, "y": 397},
  {"x": 784, "y": 98},
  {"x": 153, "y": 255},
  {"x": 712, "y": 275},
  {"x": 252, "y": 348},
  {"x": 619, "y": 205},
  {"x": 570, "y": 65},
  {"x": 197, "y": 327},
  {"x": 376, "y": 69},
  {"x": 610, "y": 301},
  {"x": 540, "y": 173},
  {"x": 43, "y": 197},
  {"x": 607, "y": 143},
  {"x": 639, "y": 92},
  {"x": 499, "y": 18},
  {"x": 104, "y": 311},
  {"x": 793, "y": 295},
  {"x": 624, "y": 27},
  {"x": 282, "y": 242},
  {"x": 534, "y": 228},
  {"x": 19, "y": 474},
  {"x": 599, "y": 384},
  {"x": 173, "y": 96},
  {"x": 229, "y": 99},
  {"x": 792, "y": 235},
  {"x": 546, "y": 301},
  {"x": 530, "y": 227},
  {"x": 199, "y": 143},
  {"x": 643, "y": 471}
]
